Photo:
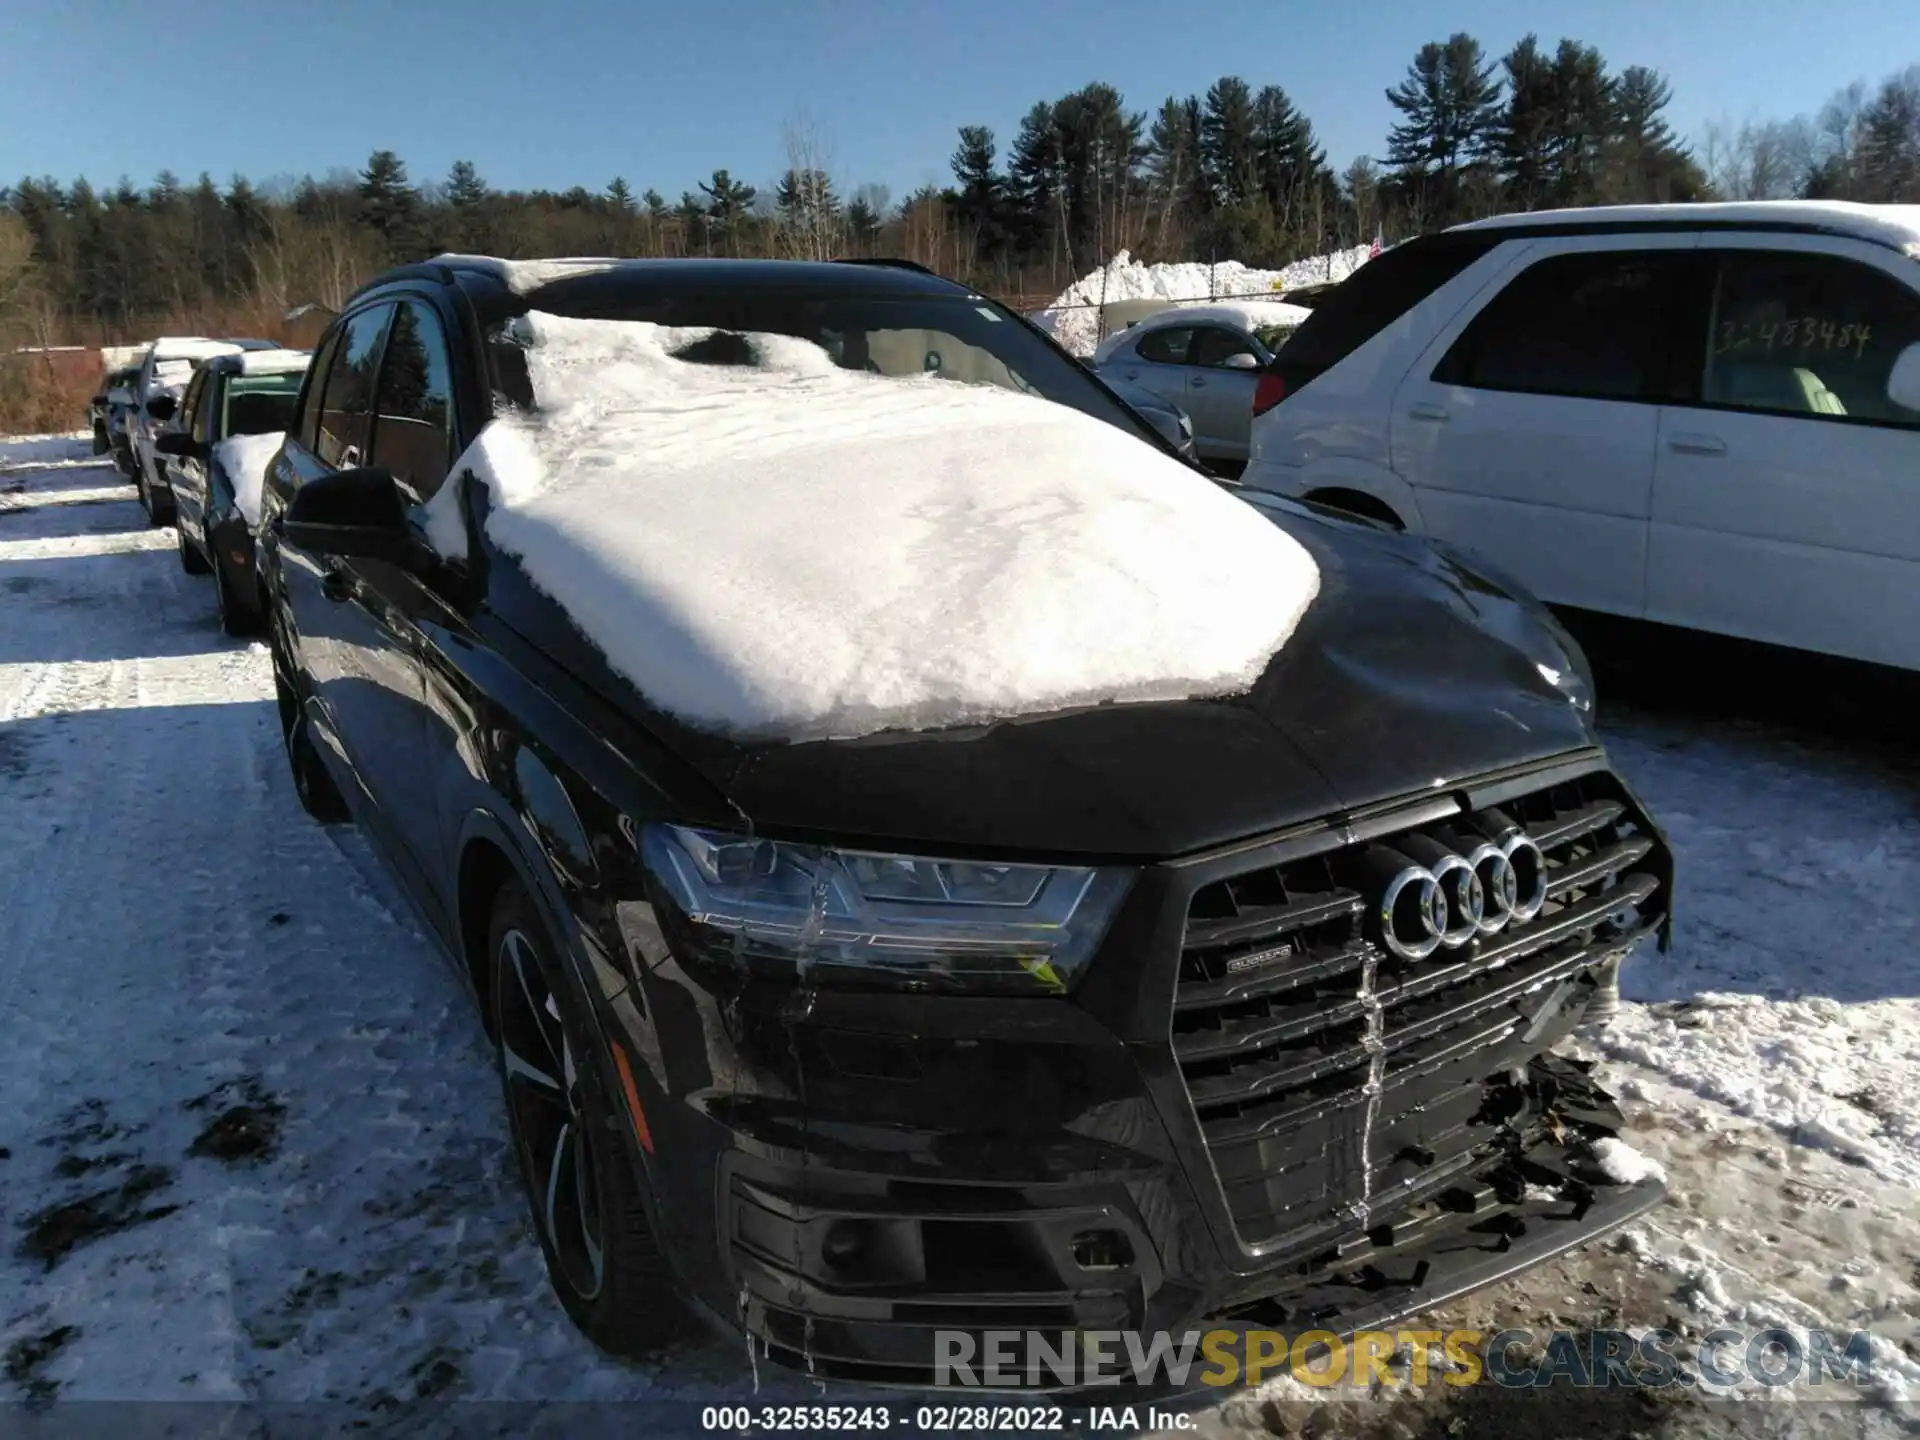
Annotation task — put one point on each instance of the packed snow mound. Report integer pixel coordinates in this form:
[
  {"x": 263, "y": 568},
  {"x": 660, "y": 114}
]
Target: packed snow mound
[
  {"x": 1073, "y": 318},
  {"x": 245, "y": 459},
  {"x": 792, "y": 550}
]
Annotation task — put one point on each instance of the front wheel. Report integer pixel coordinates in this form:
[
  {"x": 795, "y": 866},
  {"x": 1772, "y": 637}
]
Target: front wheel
[
  {"x": 317, "y": 793},
  {"x": 602, "y": 1257},
  {"x": 191, "y": 560}
]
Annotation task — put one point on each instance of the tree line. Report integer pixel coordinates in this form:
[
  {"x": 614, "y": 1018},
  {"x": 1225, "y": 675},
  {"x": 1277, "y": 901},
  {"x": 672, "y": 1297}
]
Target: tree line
[{"x": 1236, "y": 172}]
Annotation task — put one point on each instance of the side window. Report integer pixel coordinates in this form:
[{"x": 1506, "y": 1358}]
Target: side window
[
  {"x": 347, "y": 405},
  {"x": 307, "y": 428},
  {"x": 1165, "y": 347},
  {"x": 1802, "y": 334},
  {"x": 1588, "y": 325},
  {"x": 1212, "y": 346},
  {"x": 186, "y": 412},
  {"x": 197, "y": 408},
  {"x": 413, "y": 418}
]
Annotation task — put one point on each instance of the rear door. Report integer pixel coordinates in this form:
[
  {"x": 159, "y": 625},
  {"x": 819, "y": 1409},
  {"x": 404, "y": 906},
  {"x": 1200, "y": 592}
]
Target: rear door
[
  {"x": 1786, "y": 499},
  {"x": 1527, "y": 429},
  {"x": 187, "y": 474},
  {"x": 1157, "y": 361}
]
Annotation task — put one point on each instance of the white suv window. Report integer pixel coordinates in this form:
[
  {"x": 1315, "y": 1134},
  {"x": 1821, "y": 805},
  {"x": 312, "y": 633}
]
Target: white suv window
[
  {"x": 1588, "y": 325},
  {"x": 1810, "y": 335}
]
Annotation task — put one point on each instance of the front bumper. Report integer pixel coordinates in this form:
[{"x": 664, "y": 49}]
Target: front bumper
[{"x": 850, "y": 1177}]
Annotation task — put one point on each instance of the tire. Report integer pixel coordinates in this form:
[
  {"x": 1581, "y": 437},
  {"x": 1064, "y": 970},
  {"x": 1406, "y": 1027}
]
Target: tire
[
  {"x": 625, "y": 1303},
  {"x": 99, "y": 439},
  {"x": 146, "y": 499},
  {"x": 314, "y": 787},
  {"x": 191, "y": 560}
]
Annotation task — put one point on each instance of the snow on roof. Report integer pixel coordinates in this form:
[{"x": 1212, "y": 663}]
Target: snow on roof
[
  {"x": 191, "y": 347},
  {"x": 794, "y": 550},
  {"x": 275, "y": 362},
  {"x": 1074, "y": 318},
  {"x": 1896, "y": 225},
  {"x": 525, "y": 276}
]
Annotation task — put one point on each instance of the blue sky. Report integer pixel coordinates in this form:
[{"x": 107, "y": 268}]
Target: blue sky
[{"x": 567, "y": 92}]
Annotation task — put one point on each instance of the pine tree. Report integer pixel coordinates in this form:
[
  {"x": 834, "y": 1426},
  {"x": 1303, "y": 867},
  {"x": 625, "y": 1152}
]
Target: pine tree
[
  {"x": 656, "y": 203},
  {"x": 465, "y": 189},
  {"x": 1228, "y": 146},
  {"x": 1034, "y": 179},
  {"x": 1523, "y": 137},
  {"x": 388, "y": 204},
  {"x": 1647, "y": 162},
  {"x": 979, "y": 197},
  {"x": 620, "y": 197},
  {"x": 1889, "y": 158},
  {"x": 863, "y": 224},
  {"x": 1583, "y": 122},
  {"x": 1450, "y": 101},
  {"x": 729, "y": 207},
  {"x": 1287, "y": 161}
]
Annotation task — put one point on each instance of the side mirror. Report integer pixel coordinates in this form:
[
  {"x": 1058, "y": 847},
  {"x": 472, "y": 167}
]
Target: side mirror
[
  {"x": 98, "y": 400},
  {"x": 177, "y": 442},
  {"x": 161, "y": 407},
  {"x": 355, "y": 514},
  {"x": 1903, "y": 381},
  {"x": 1245, "y": 360}
]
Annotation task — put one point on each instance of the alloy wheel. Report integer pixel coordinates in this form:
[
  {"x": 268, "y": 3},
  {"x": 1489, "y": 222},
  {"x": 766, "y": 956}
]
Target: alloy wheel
[{"x": 550, "y": 1121}]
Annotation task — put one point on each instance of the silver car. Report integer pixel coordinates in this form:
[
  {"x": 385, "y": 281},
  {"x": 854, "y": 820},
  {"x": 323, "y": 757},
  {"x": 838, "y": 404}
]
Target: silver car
[{"x": 1204, "y": 359}]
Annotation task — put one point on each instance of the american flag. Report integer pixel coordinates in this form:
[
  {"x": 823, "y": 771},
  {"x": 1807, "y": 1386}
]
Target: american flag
[{"x": 1378, "y": 240}]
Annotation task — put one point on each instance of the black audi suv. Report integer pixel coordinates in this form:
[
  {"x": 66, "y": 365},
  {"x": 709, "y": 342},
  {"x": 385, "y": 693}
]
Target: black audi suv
[{"x": 1314, "y": 944}]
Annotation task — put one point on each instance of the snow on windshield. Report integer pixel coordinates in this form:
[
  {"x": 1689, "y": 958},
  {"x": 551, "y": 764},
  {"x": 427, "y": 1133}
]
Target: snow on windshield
[{"x": 791, "y": 549}]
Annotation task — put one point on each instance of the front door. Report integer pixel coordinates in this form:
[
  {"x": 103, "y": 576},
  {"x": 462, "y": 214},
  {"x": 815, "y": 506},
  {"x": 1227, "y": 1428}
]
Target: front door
[
  {"x": 1786, "y": 497},
  {"x": 1222, "y": 370},
  {"x": 1527, "y": 429}
]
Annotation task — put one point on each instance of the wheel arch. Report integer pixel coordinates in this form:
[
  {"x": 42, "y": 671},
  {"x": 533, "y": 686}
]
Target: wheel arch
[
  {"x": 1369, "y": 490},
  {"x": 488, "y": 856}
]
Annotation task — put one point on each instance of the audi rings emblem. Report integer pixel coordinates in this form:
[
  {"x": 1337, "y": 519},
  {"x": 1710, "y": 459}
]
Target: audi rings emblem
[{"x": 1458, "y": 898}]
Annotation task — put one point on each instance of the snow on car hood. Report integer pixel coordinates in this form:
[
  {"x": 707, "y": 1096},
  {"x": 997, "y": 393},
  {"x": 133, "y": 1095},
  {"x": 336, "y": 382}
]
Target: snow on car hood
[
  {"x": 245, "y": 459},
  {"x": 794, "y": 550}
]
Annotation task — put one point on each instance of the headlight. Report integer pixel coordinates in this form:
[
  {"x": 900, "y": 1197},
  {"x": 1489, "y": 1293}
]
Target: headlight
[{"x": 862, "y": 918}]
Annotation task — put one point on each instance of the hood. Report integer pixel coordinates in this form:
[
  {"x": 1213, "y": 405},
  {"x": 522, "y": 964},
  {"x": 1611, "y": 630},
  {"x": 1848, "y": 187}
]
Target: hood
[{"x": 1412, "y": 668}]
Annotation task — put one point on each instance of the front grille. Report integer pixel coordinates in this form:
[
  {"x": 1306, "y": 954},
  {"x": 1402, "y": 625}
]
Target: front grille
[{"x": 1335, "y": 1082}]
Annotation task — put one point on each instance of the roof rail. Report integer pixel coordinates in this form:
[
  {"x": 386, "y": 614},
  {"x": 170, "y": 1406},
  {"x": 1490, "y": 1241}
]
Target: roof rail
[{"x": 891, "y": 262}]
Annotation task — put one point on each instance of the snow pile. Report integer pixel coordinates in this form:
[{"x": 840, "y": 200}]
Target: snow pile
[
  {"x": 1623, "y": 1164},
  {"x": 245, "y": 459},
  {"x": 1073, "y": 318},
  {"x": 792, "y": 549}
]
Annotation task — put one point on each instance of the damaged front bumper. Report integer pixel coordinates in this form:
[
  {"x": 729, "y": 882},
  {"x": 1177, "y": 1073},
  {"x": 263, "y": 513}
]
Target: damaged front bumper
[{"x": 1321, "y": 1139}]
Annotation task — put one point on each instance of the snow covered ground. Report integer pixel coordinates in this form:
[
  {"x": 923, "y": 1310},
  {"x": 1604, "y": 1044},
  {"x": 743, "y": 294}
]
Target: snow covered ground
[
  {"x": 250, "y": 1145},
  {"x": 1074, "y": 316}
]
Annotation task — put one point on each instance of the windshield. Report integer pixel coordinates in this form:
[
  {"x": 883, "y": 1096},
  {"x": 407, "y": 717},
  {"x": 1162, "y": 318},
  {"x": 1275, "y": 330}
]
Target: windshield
[
  {"x": 1274, "y": 336},
  {"x": 259, "y": 404},
  {"x": 959, "y": 338}
]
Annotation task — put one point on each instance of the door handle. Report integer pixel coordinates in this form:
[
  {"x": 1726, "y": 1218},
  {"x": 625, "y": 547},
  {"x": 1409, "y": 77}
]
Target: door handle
[
  {"x": 335, "y": 585},
  {"x": 1427, "y": 410},
  {"x": 1690, "y": 443},
  {"x": 1198, "y": 382}
]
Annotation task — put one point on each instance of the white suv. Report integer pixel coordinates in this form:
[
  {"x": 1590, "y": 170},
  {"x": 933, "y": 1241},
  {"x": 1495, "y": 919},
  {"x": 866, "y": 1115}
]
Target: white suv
[{"x": 1704, "y": 415}]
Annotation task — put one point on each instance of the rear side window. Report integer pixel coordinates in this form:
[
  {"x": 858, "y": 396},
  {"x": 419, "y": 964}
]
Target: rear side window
[
  {"x": 1165, "y": 347},
  {"x": 1372, "y": 298},
  {"x": 347, "y": 405},
  {"x": 195, "y": 406},
  {"x": 259, "y": 404},
  {"x": 1587, "y": 325},
  {"x": 1812, "y": 335},
  {"x": 413, "y": 425}
]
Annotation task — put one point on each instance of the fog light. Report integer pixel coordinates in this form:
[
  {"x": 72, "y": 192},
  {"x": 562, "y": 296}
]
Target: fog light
[
  {"x": 1102, "y": 1250},
  {"x": 845, "y": 1244}
]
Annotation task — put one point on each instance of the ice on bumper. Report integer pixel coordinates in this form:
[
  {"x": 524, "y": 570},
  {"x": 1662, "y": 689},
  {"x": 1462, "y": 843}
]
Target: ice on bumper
[{"x": 794, "y": 550}]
